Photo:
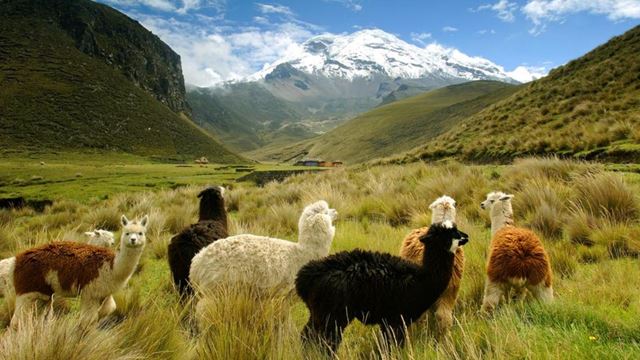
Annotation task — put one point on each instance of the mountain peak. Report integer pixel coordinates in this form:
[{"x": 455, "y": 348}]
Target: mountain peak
[{"x": 374, "y": 52}]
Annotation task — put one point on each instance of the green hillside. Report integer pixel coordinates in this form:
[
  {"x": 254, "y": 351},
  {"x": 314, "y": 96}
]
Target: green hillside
[
  {"x": 398, "y": 126},
  {"x": 246, "y": 116},
  {"x": 54, "y": 97},
  {"x": 588, "y": 108}
]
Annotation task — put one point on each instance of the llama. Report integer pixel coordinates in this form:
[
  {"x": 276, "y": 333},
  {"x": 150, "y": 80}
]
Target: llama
[
  {"x": 442, "y": 209},
  {"x": 376, "y": 288},
  {"x": 517, "y": 258},
  {"x": 97, "y": 237},
  {"x": 263, "y": 262},
  {"x": 211, "y": 226},
  {"x": 100, "y": 237},
  {"x": 6, "y": 277},
  {"x": 70, "y": 269}
]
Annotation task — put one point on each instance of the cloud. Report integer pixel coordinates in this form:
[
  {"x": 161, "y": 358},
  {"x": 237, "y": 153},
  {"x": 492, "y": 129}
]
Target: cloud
[
  {"x": 541, "y": 12},
  {"x": 449, "y": 29},
  {"x": 214, "y": 52},
  {"x": 524, "y": 73},
  {"x": 353, "y": 5},
  {"x": 486, "y": 31},
  {"x": 274, "y": 9},
  {"x": 420, "y": 37},
  {"x": 178, "y": 6},
  {"x": 504, "y": 9}
]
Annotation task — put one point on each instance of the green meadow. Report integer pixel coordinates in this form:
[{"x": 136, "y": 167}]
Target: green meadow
[{"x": 586, "y": 214}]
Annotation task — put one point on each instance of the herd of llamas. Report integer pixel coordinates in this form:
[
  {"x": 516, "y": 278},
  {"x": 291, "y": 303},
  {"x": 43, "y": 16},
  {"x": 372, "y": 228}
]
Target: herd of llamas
[{"x": 373, "y": 287}]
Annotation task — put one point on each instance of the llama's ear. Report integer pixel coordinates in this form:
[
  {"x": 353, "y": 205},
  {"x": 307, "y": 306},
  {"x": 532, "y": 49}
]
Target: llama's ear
[
  {"x": 144, "y": 221},
  {"x": 124, "y": 221},
  {"x": 506, "y": 197}
]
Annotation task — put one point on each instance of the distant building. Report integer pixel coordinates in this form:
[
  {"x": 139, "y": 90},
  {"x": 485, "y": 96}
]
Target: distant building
[{"x": 318, "y": 163}]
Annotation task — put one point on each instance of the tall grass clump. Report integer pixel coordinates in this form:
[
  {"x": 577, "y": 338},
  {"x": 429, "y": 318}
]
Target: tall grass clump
[{"x": 607, "y": 196}]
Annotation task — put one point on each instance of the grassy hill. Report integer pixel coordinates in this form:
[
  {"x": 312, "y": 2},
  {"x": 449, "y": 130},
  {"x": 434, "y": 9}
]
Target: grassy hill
[
  {"x": 54, "y": 97},
  {"x": 588, "y": 108},
  {"x": 398, "y": 126},
  {"x": 246, "y": 116}
]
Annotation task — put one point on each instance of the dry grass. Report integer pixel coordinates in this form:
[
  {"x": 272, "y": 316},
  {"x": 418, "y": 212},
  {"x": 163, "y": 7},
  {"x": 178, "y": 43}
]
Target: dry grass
[{"x": 593, "y": 252}]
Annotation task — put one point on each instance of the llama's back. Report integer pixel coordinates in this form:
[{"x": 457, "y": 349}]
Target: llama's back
[
  {"x": 75, "y": 264},
  {"x": 355, "y": 272},
  {"x": 257, "y": 260},
  {"x": 518, "y": 254},
  {"x": 184, "y": 246}
]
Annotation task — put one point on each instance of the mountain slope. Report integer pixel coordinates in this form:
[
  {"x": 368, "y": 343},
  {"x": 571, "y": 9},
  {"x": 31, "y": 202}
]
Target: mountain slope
[
  {"x": 398, "y": 126},
  {"x": 589, "y": 108},
  {"x": 54, "y": 96},
  {"x": 329, "y": 79}
]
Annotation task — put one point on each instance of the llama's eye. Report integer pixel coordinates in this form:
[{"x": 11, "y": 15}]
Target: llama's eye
[
  {"x": 140, "y": 233},
  {"x": 492, "y": 201},
  {"x": 127, "y": 234}
]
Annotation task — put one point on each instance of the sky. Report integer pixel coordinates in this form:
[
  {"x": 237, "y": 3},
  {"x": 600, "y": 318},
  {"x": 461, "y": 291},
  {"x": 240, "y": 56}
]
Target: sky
[{"x": 221, "y": 40}]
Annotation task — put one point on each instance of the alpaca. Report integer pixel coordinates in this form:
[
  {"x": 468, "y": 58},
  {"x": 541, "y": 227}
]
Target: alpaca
[
  {"x": 442, "y": 209},
  {"x": 265, "y": 262},
  {"x": 70, "y": 269},
  {"x": 517, "y": 258},
  {"x": 376, "y": 288},
  {"x": 6, "y": 277},
  {"x": 211, "y": 226},
  {"x": 97, "y": 237},
  {"x": 100, "y": 237}
]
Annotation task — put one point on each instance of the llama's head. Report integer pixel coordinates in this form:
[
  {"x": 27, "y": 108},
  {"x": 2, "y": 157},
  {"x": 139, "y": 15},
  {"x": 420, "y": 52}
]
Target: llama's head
[
  {"x": 211, "y": 203},
  {"x": 444, "y": 236},
  {"x": 100, "y": 237},
  {"x": 318, "y": 207},
  {"x": 443, "y": 209},
  {"x": 133, "y": 232},
  {"x": 497, "y": 203},
  {"x": 316, "y": 226}
]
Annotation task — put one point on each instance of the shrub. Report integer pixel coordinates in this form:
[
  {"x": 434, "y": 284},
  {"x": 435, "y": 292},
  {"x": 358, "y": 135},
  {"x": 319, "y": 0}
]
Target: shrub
[{"x": 606, "y": 195}]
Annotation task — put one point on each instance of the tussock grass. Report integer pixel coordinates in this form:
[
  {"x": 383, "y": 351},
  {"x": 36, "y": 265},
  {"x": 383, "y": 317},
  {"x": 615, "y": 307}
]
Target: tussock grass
[{"x": 593, "y": 254}]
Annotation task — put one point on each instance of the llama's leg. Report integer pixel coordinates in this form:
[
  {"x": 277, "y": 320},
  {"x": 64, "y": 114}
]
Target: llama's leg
[
  {"x": 444, "y": 319},
  {"x": 325, "y": 331},
  {"x": 108, "y": 306},
  {"x": 89, "y": 308},
  {"x": 24, "y": 304},
  {"x": 541, "y": 292},
  {"x": 492, "y": 293}
]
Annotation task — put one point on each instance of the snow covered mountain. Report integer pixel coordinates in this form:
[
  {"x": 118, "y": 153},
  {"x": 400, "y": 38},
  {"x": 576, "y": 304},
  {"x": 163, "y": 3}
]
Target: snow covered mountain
[{"x": 373, "y": 52}]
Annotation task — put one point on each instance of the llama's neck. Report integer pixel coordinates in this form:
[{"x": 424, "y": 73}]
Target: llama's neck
[
  {"x": 501, "y": 216},
  {"x": 125, "y": 263},
  {"x": 318, "y": 243},
  {"x": 215, "y": 211},
  {"x": 437, "y": 269}
]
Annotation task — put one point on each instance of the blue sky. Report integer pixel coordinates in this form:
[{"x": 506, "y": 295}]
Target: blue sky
[{"x": 227, "y": 39}]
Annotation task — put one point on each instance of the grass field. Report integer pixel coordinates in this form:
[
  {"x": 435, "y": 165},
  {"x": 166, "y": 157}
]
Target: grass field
[{"x": 586, "y": 215}]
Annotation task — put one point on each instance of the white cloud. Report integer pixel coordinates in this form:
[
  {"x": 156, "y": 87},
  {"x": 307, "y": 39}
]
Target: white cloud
[
  {"x": 540, "y": 12},
  {"x": 504, "y": 9},
  {"x": 274, "y": 9},
  {"x": 526, "y": 74},
  {"x": 449, "y": 29},
  {"x": 353, "y": 5},
  {"x": 212, "y": 53},
  {"x": 486, "y": 31},
  {"x": 178, "y": 6},
  {"x": 420, "y": 37}
]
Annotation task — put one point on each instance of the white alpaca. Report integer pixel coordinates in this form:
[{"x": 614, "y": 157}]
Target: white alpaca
[
  {"x": 70, "y": 269},
  {"x": 443, "y": 209},
  {"x": 100, "y": 237},
  {"x": 262, "y": 261}
]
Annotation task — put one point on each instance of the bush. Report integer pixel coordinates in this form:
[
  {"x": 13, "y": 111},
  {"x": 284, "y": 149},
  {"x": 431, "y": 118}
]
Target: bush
[{"x": 607, "y": 196}]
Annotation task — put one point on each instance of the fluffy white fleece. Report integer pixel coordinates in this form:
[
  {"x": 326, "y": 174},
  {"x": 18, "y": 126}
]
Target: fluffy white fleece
[
  {"x": 262, "y": 261},
  {"x": 6, "y": 277},
  {"x": 443, "y": 209},
  {"x": 100, "y": 237}
]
